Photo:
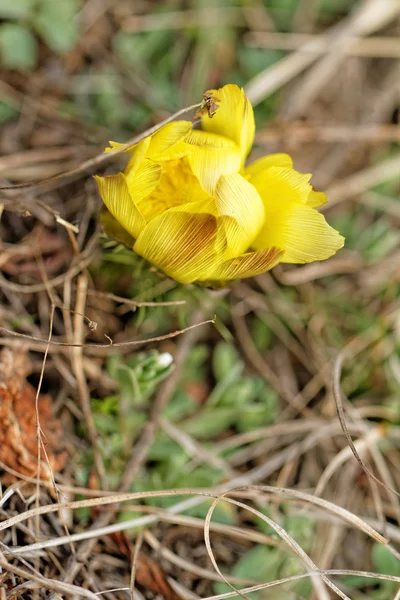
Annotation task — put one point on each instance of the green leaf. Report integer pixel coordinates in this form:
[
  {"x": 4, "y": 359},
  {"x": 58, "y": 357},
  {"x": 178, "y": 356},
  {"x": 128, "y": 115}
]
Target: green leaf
[
  {"x": 260, "y": 564},
  {"x": 302, "y": 529},
  {"x": 56, "y": 23},
  {"x": 181, "y": 406},
  {"x": 254, "y": 60},
  {"x": 15, "y": 9},
  {"x": 17, "y": 46},
  {"x": 293, "y": 565},
  {"x": 254, "y": 416},
  {"x": 224, "y": 512},
  {"x": 7, "y": 111},
  {"x": 210, "y": 422},
  {"x": 261, "y": 334},
  {"x": 225, "y": 358},
  {"x": 138, "y": 48},
  {"x": 384, "y": 561}
]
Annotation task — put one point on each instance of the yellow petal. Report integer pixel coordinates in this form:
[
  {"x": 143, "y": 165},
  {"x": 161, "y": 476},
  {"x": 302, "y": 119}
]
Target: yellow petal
[
  {"x": 279, "y": 186},
  {"x": 301, "y": 232},
  {"x": 209, "y": 140},
  {"x": 316, "y": 198},
  {"x": 113, "y": 229},
  {"x": 210, "y": 157},
  {"x": 156, "y": 146},
  {"x": 138, "y": 153},
  {"x": 166, "y": 138},
  {"x": 142, "y": 180},
  {"x": 246, "y": 265},
  {"x": 237, "y": 198},
  {"x": 207, "y": 205},
  {"x": 185, "y": 246},
  {"x": 258, "y": 167},
  {"x": 234, "y": 118},
  {"x": 115, "y": 195},
  {"x": 176, "y": 186},
  {"x": 113, "y": 146}
]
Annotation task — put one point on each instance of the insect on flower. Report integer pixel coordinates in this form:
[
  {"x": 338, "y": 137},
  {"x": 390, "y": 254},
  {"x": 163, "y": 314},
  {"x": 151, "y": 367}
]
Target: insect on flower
[{"x": 187, "y": 203}]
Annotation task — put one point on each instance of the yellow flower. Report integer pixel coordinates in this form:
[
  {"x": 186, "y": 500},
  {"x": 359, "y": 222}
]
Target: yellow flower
[{"x": 187, "y": 203}]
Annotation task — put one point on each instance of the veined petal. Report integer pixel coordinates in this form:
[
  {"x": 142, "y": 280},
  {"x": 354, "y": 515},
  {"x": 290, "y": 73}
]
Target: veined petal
[
  {"x": 234, "y": 118},
  {"x": 237, "y": 198},
  {"x": 246, "y": 265},
  {"x": 166, "y": 137},
  {"x": 113, "y": 229},
  {"x": 114, "y": 145},
  {"x": 207, "y": 205},
  {"x": 138, "y": 153},
  {"x": 177, "y": 186},
  {"x": 280, "y": 186},
  {"x": 115, "y": 194},
  {"x": 185, "y": 246},
  {"x": 142, "y": 180},
  {"x": 259, "y": 166},
  {"x": 316, "y": 198},
  {"x": 157, "y": 144},
  {"x": 208, "y": 165},
  {"x": 302, "y": 232},
  {"x": 210, "y": 140}
]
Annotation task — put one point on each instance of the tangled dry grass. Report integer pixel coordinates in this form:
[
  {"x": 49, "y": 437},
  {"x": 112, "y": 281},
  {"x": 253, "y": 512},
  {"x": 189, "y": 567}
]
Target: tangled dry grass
[{"x": 90, "y": 505}]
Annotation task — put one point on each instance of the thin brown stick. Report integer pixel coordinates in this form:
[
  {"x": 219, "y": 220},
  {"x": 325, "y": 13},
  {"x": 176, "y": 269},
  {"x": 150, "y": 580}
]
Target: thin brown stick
[
  {"x": 363, "y": 180},
  {"x": 86, "y": 259},
  {"x": 185, "y": 564},
  {"x": 374, "y": 46},
  {"x": 49, "y": 584},
  {"x": 133, "y": 303},
  {"x": 370, "y": 16},
  {"x": 337, "y": 393},
  {"x": 73, "y": 174},
  {"x": 77, "y": 364},
  {"x": 286, "y": 537},
  {"x": 196, "y": 497},
  {"x": 138, "y": 545},
  {"x": 159, "y": 338}
]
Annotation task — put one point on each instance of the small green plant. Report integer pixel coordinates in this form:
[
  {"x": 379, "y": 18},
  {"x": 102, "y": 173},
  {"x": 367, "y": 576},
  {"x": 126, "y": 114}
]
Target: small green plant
[
  {"x": 268, "y": 563},
  {"x": 119, "y": 418}
]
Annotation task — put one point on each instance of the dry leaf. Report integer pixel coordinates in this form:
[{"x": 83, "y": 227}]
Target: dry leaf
[
  {"x": 148, "y": 572},
  {"x": 18, "y": 428}
]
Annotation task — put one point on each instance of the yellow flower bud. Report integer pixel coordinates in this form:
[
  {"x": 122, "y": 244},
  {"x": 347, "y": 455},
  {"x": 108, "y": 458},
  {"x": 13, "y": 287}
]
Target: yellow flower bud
[{"x": 188, "y": 205}]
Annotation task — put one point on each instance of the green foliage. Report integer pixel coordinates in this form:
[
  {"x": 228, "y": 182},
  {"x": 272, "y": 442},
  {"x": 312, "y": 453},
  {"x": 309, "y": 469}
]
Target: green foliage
[
  {"x": 260, "y": 564},
  {"x": 385, "y": 563},
  {"x": 7, "y": 111},
  {"x": 151, "y": 52},
  {"x": 236, "y": 401},
  {"x": 120, "y": 417},
  {"x": 108, "y": 105},
  {"x": 16, "y": 9},
  {"x": 225, "y": 360},
  {"x": 264, "y": 564},
  {"x": 54, "y": 21},
  {"x": 18, "y": 47}
]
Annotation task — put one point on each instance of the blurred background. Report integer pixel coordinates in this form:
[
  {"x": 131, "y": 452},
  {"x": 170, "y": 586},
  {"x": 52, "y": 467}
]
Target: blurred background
[{"x": 245, "y": 401}]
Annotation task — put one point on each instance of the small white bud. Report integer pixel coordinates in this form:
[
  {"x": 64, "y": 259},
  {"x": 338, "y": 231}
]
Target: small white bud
[{"x": 165, "y": 359}]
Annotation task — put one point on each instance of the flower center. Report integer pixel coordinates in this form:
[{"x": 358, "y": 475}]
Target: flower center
[{"x": 177, "y": 186}]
